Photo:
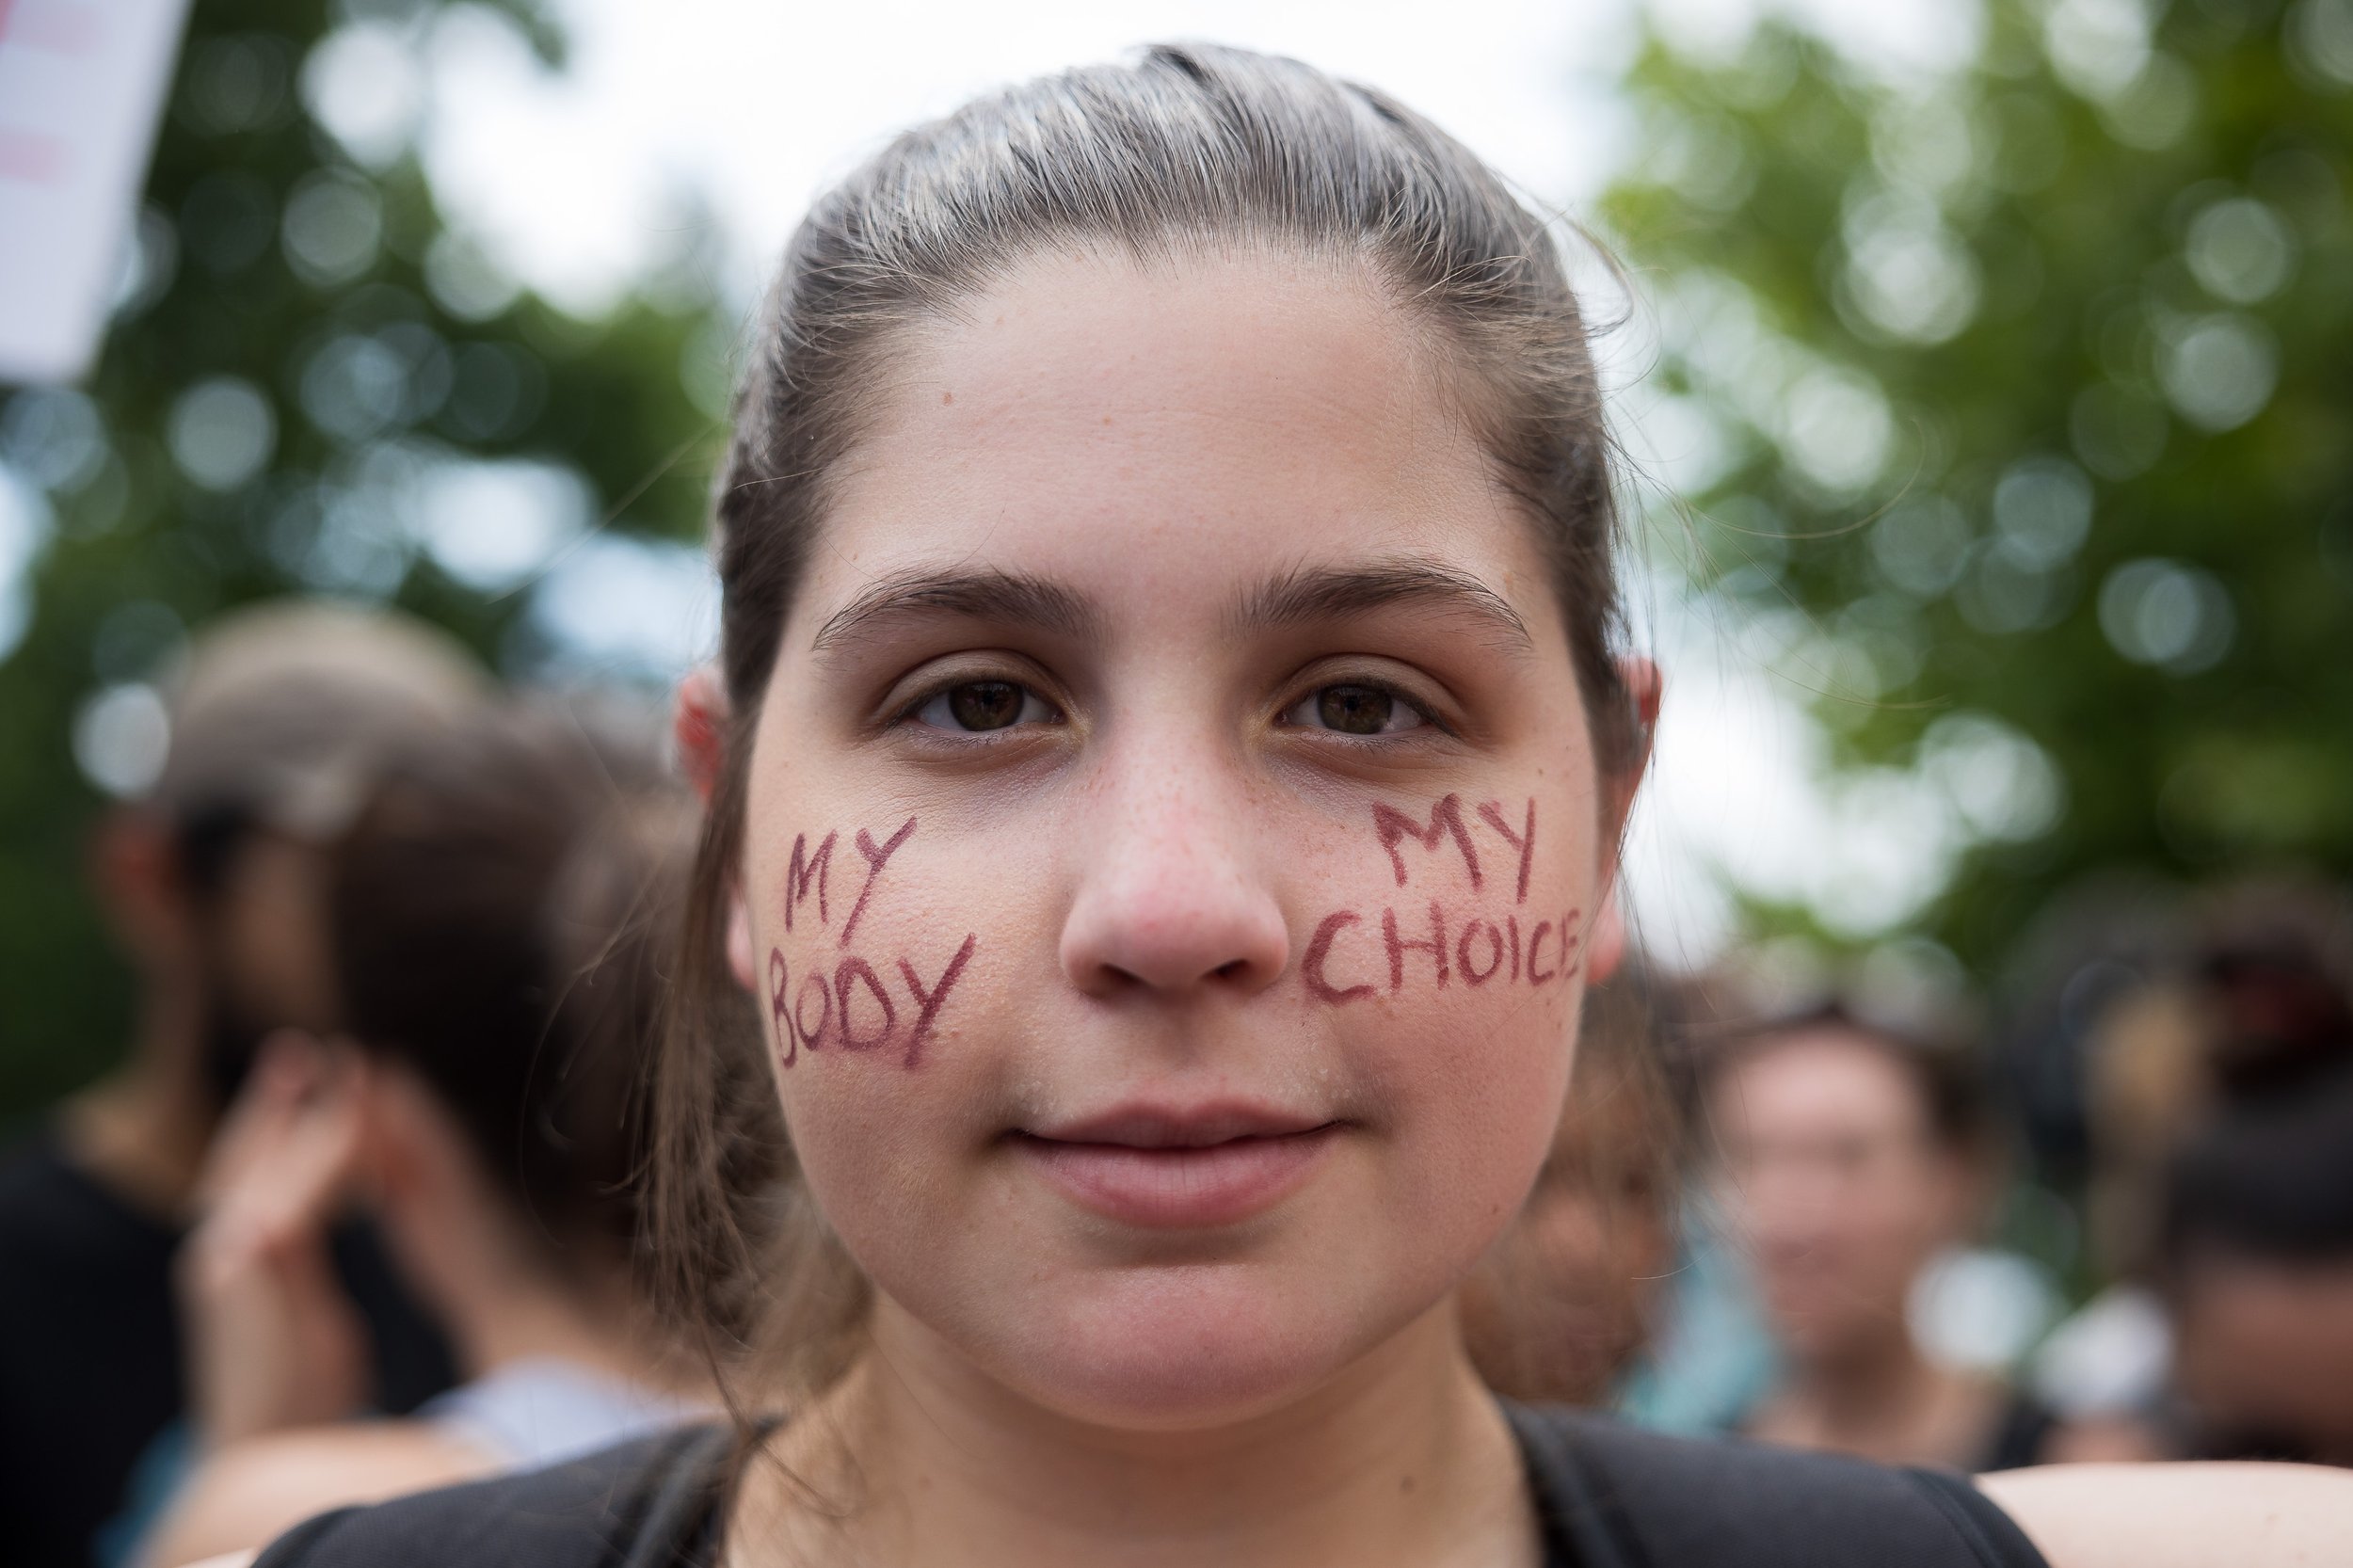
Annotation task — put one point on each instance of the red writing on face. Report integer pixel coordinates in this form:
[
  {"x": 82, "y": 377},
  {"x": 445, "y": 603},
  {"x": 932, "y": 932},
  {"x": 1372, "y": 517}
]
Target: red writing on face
[
  {"x": 852, "y": 1007},
  {"x": 1392, "y": 827},
  {"x": 805, "y": 872},
  {"x": 876, "y": 860},
  {"x": 1318, "y": 950},
  {"x": 1480, "y": 952},
  {"x": 1423, "y": 943}
]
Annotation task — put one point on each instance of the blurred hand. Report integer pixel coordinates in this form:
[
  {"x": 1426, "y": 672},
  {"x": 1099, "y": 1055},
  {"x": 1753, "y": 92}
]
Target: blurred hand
[{"x": 273, "y": 1340}]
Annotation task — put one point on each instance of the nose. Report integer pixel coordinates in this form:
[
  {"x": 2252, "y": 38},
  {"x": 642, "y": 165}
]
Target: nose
[{"x": 1170, "y": 896}]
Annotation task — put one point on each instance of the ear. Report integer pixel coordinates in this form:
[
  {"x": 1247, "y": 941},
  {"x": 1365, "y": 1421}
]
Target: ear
[
  {"x": 1605, "y": 943},
  {"x": 698, "y": 721},
  {"x": 740, "y": 942},
  {"x": 1606, "y": 940},
  {"x": 1646, "y": 688},
  {"x": 134, "y": 870}
]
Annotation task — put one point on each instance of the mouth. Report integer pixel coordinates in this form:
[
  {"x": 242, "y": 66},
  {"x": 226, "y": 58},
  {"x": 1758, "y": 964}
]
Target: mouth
[{"x": 1164, "y": 1169}]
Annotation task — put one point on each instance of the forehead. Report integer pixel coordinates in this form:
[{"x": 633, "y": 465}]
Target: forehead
[
  {"x": 1825, "y": 1078},
  {"x": 1147, "y": 427}
]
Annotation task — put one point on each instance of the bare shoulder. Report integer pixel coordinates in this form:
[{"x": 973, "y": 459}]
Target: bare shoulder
[
  {"x": 2179, "y": 1515},
  {"x": 247, "y": 1493}
]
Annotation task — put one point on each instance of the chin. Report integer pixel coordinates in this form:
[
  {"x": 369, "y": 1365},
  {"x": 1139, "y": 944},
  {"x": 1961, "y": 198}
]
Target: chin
[{"x": 1188, "y": 1347}]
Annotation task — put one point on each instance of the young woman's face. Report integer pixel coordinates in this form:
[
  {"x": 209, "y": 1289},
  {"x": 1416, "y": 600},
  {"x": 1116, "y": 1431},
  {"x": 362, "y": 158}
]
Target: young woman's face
[{"x": 1172, "y": 840}]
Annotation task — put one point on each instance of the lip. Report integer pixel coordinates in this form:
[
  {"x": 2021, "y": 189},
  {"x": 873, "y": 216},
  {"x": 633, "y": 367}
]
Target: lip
[{"x": 1179, "y": 1169}]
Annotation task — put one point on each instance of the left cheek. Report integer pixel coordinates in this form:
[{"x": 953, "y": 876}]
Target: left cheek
[{"x": 1475, "y": 1078}]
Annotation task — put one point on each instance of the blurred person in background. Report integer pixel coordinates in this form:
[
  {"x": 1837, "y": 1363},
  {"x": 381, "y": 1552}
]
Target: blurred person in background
[
  {"x": 215, "y": 883},
  {"x": 2249, "y": 1008},
  {"x": 2257, "y": 1272},
  {"x": 1567, "y": 1298},
  {"x": 500, "y": 915},
  {"x": 1850, "y": 1157}
]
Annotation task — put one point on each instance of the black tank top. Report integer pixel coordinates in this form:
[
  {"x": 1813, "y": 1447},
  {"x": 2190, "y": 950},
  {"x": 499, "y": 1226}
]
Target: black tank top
[{"x": 1606, "y": 1495}]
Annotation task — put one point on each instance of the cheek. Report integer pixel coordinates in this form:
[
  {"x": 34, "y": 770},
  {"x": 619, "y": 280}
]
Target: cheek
[
  {"x": 881, "y": 971},
  {"x": 863, "y": 952},
  {"x": 1472, "y": 904},
  {"x": 1447, "y": 949}
]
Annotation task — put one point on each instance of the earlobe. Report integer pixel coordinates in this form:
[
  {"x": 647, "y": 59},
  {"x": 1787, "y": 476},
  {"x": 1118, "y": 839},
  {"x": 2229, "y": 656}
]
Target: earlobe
[
  {"x": 1646, "y": 688},
  {"x": 137, "y": 876},
  {"x": 1605, "y": 942},
  {"x": 740, "y": 943},
  {"x": 699, "y": 722}
]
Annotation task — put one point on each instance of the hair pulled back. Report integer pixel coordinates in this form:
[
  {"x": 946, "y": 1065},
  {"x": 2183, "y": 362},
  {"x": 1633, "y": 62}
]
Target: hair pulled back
[
  {"x": 494, "y": 909},
  {"x": 1190, "y": 151}
]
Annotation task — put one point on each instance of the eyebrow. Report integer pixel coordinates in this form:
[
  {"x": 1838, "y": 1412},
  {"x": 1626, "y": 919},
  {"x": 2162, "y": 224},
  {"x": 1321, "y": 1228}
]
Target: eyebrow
[
  {"x": 1306, "y": 594},
  {"x": 1006, "y": 597}
]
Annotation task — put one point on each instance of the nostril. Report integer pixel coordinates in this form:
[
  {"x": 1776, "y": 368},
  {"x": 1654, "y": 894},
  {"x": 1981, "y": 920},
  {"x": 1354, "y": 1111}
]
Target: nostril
[{"x": 1231, "y": 969}]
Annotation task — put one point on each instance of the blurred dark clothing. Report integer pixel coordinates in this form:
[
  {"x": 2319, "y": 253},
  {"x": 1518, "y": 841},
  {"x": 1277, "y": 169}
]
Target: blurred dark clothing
[
  {"x": 2019, "y": 1438},
  {"x": 91, "y": 1366}
]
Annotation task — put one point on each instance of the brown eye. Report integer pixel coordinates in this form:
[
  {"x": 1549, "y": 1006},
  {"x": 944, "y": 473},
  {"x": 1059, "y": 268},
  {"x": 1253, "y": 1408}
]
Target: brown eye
[
  {"x": 1354, "y": 709},
  {"x": 977, "y": 707},
  {"x": 984, "y": 704}
]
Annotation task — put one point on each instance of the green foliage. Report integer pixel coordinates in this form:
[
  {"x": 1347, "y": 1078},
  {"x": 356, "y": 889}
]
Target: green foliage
[
  {"x": 308, "y": 342},
  {"x": 2024, "y": 394}
]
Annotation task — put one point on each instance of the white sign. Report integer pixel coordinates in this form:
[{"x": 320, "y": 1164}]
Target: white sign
[{"x": 81, "y": 84}]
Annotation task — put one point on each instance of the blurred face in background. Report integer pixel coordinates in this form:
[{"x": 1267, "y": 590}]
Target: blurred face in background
[
  {"x": 1836, "y": 1183},
  {"x": 2263, "y": 1351},
  {"x": 229, "y": 920},
  {"x": 268, "y": 936},
  {"x": 1563, "y": 1302}
]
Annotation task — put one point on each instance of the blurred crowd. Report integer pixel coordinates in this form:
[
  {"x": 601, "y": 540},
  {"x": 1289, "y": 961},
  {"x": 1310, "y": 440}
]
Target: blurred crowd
[
  {"x": 2107, "y": 1217},
  {"x": 357, "y": 1212},
  {"x": 356, "y": 1215}
]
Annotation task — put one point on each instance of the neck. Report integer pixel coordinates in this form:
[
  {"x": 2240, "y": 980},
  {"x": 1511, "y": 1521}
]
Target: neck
[
  {"x": 1402, "y": 1458},
  {"x": 544, "y": 1321},
  {"x": 1867, "y": 1381},
  {"x": 475, "y": 1266},
  {"x": 1884, "y": 1401}
]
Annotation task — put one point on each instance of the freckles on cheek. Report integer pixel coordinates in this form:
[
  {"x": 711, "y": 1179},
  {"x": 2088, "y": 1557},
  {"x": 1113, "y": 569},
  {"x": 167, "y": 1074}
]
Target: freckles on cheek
[
  {"x": 1431, "y": 936},
  {"x": 833, "y": 994}
]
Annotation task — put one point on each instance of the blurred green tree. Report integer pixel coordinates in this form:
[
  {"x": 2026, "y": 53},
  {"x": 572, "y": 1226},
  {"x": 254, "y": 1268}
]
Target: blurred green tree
[
  {"x": 2012, "y": 396},
  {"x": 313, "y": 383}
]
